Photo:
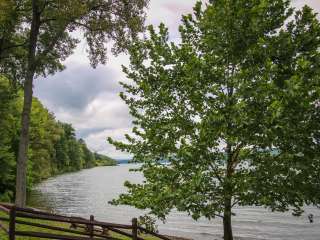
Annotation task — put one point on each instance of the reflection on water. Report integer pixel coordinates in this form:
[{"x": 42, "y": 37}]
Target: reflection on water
[{"x": 88, "y": 192}]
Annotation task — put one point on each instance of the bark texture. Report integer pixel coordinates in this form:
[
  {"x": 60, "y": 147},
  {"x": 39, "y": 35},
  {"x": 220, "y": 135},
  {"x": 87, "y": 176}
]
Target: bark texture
[{"x": 227, "y": 227}]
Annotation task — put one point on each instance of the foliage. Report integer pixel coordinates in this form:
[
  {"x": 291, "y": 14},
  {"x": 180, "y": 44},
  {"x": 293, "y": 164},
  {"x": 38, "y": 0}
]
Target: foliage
[
  {"x": 148, "y": 223},
  {"x": 102, "y": 160},
  {"x": 87, "y": 154},
  {"x": 233, "y": 109},
  {"x": 54, "y": 148},
  {"x": 8, "y": 131},
  {"x": 12, "y": 46},
  {"x": 97, "y": 21}
]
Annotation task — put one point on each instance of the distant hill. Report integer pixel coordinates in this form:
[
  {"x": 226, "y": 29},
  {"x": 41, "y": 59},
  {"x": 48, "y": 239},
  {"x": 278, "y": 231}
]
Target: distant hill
[
  {"x": 127, "y": 161},
  {"x": 103, "y": 160}
]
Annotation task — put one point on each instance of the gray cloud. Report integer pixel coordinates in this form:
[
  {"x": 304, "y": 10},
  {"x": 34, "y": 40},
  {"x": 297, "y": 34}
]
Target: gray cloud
[
  {"x": 86, "y": 132},
  {"x": 74, "y": 88}
]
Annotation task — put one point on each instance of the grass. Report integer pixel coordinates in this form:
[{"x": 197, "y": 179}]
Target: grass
[{"x": 19, "y": 227}]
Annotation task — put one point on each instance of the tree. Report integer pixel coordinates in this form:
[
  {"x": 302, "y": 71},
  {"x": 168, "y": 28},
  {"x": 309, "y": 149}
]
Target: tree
[
  {"x": 8, "y": 131},
  {"x": 88, "y": 156},
  {"x": 68, "y": 150},
  {"x": 12, "y": 45},
  {"x": 40, "y": 38},
  {"x": 233, "y": 109},
  {"x": 44, "y": 134},
  {"x": 76, "y": 155}
]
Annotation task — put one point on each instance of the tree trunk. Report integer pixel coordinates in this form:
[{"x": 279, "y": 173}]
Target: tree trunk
[
  {"x": 227, "y": 227},
  {"x": 21, "y": 178},
  {"x": 1, "y": 48}
]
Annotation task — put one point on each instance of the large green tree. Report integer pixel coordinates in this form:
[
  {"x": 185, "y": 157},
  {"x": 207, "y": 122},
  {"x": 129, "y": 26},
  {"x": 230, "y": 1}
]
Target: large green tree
[
  {"x": 233, "y": 109},
  {"x": 39, "y": 37}
]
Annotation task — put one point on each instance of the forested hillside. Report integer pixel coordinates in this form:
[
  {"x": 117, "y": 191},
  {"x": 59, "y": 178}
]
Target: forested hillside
[{"x": 54, "y": 148}]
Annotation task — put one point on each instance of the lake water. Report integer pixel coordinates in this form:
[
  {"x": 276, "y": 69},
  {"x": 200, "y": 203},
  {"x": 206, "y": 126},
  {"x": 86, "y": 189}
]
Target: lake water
[{"x": 88, "y": 192}]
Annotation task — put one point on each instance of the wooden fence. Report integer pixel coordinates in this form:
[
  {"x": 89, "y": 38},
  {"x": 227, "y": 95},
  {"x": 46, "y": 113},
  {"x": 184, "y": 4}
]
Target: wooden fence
[{"x": 80, "y": 228}]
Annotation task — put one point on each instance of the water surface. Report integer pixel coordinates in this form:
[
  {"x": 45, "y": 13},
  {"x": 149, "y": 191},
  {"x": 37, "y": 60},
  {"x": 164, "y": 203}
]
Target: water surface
[{"x": 88, "y": 192}]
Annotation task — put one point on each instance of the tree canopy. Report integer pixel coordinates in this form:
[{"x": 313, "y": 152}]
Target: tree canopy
[
  {"x": 59, "y": 26},
  {"x": 233, "y": 110}
]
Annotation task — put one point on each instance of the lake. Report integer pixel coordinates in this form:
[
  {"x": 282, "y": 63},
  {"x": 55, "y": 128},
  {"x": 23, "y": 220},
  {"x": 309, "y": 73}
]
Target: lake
[{"x": 88, "y": 192}]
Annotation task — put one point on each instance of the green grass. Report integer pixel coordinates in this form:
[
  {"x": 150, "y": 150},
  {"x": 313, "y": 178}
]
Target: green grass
[{"x": 19, "y": 227}]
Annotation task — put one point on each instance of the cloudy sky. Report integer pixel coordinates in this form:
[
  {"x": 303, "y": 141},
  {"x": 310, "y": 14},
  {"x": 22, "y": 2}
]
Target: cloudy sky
[{"x": 89, "y": 98}]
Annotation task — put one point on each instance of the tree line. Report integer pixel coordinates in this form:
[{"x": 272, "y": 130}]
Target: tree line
[{"x": 53, "y": 148}]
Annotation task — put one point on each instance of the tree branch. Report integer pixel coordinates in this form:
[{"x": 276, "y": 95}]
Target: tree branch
[
  {"x": 235, "y": 203},
  {"x": 16, "y": 45},
  {"x": 234, "y": 158},
  {"x": 215, "y": 172}
]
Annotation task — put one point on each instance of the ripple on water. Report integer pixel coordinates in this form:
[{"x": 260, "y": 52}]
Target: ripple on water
[{"x": 88, "y": 192}]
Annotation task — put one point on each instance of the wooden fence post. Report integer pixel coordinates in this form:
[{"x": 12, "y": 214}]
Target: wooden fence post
[
  {"x": 91, "y": 227},
  {"x": 12, "y": 223},
  {"x": 134, "y": 229}
]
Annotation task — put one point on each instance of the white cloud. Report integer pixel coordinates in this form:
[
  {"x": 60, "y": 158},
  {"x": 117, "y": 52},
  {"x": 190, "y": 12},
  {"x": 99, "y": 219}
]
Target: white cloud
[
  {"x": 315, "y": 4},
  {"x": 96, "y": 142}
]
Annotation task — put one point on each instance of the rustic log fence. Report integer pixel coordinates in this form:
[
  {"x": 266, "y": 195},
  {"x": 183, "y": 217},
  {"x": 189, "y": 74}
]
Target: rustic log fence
[{"x": 80, "y": 228}]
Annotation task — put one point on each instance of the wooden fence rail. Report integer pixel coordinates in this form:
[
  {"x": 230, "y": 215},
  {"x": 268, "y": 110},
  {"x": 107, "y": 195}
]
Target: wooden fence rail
[{"x": 80, "y": 228}]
